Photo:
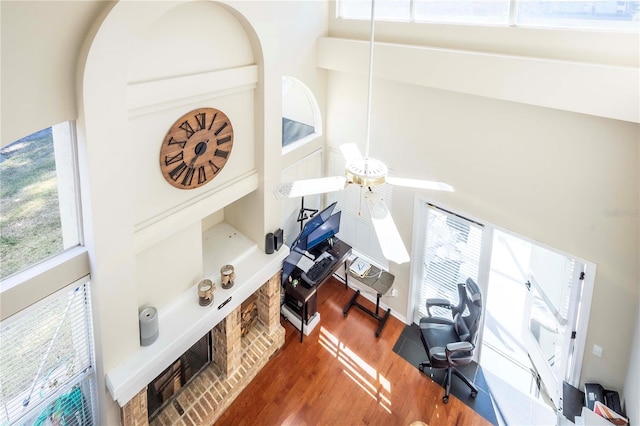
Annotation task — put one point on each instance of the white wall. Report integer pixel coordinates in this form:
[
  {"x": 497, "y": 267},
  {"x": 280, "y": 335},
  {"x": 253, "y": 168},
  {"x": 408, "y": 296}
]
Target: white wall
[
  {"x": 130, "y": 46},
  {"x": 557, "y": 177},
  {"x": 34, "y": 68}
]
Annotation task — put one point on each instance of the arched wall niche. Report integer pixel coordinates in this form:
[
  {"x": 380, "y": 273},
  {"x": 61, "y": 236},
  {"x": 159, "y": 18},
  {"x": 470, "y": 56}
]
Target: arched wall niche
[
  {"x": 194, "y": 55},
  {"x": 143, "y": 66},
  {"x": 191, "y": 38}
]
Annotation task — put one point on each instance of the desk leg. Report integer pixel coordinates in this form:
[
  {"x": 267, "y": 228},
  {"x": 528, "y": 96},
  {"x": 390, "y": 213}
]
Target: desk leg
[
  {"x": 346, "y": 276},
  {"x": 381, "y": 319},
  {"x": 304, "y": 315},
  {"x": 352, "y": 302}
]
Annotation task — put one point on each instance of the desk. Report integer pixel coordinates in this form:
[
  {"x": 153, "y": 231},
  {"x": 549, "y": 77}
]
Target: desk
[
  {"x": 307, "y": 296},
  {"x": 380, "y": 281}
]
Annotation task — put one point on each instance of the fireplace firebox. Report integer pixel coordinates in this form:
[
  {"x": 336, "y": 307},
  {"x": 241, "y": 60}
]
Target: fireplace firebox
[{"x": 164, "y": 387}]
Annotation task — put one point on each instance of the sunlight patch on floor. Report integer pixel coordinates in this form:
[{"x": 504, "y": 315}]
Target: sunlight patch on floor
[{"x": 364, "y": 375}]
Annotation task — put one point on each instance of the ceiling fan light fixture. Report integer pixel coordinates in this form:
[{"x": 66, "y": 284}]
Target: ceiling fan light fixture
[{"x": 366, "y": 172}]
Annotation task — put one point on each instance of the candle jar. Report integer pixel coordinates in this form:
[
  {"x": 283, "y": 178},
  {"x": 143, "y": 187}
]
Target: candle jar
[
  {"x": 227, "y": 276},
  {"x": 205, "y": 292}
]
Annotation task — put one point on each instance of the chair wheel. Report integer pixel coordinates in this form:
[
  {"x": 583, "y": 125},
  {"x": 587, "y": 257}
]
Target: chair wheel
[
  {"x": 420, "y": 367},
  {"x": 474, "y": 394},
  {"x": 445, "y": 399},
  {"x": 344, "y": 314}
]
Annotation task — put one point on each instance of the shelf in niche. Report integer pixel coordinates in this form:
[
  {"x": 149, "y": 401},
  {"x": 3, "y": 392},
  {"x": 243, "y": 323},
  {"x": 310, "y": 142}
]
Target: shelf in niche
[{"x": 184, "y": 321}]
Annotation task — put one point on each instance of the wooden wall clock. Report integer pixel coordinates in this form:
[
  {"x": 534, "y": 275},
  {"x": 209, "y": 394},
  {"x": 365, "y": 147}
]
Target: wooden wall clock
[{"x": 196, "y": 148}]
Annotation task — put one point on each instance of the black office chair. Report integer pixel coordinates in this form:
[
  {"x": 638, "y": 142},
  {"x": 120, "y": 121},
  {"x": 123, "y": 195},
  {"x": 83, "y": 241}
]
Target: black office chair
[
  {"x": 450, "y": 343},
  {"x": 446, "y": 304}
]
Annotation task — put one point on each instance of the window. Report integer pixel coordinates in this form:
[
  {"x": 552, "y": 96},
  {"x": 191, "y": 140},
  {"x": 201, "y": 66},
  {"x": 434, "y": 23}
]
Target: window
[
  {"x": 46, "y": 350},
  {"x": 38, "y": 198},
  {"x": 301, "y": 120},
  {"x": 47, "y": 361},
  {"x": 610, "y": 14},
  {"x": 535, "y": 299},
  {"x": 607, "y": 14},
  {"x": 452, "y": 246}
]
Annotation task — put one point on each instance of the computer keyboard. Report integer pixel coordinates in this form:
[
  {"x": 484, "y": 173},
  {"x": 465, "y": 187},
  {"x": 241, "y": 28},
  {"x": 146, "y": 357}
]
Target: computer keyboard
[{"x": 318, "y": 270}]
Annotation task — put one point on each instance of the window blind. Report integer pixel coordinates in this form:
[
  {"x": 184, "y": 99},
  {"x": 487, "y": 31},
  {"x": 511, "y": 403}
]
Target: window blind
[
  {"x": 451, "y": 254},
  {"x": 47, "y": 373}
]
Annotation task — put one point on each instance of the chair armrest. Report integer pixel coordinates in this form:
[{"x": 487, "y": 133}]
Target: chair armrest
[
  {"x": 460, "y": 346},
  {"x": 454, "y": 347},
  {"x": 434, "y": 320},
  {"x": 443, "y": 303}
]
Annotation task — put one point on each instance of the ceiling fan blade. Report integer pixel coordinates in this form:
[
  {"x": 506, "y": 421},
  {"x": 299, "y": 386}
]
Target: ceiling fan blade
[
  {"x": 390, "y": 241},
  {"x": 420, "y": 184},
  {"x": 300, "y": 188},
  {"x": 350, "y": 152}
]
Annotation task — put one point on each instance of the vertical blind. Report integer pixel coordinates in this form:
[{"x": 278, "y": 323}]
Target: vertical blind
[
  {"x": 451, "y": 254},
  {"x": 47, "y": 373}
]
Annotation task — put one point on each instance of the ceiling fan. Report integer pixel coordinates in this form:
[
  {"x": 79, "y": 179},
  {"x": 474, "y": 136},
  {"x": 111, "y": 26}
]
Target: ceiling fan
[{"x": 367, "y": 172}]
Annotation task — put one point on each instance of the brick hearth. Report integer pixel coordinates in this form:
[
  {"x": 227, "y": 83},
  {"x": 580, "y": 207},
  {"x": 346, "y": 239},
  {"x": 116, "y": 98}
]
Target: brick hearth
[{"x": 236, "y": 361}]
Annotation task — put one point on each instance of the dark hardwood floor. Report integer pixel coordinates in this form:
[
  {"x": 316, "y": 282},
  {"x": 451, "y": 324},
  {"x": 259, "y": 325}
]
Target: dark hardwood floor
[{"x": 343, "y": 375}]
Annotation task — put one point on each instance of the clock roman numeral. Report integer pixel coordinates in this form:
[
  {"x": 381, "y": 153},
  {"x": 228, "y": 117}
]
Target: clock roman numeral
[
  {"x": 224, "y": 140},
  {"x": 180, "y": 168},
  {"x": 212, "y": 121},
  {"x": 172, "y": 141},
  {"x": 170, "y": 160},
  {"x": 202, "y": 174},
  {"x": 221, "y": 128},
  {"x": 215, "y": 168},
  {"x": 186, "y": 181},
  {"x": 201, "y": 119},
  {"x": 221, "y": 153},
  {"x": 187, "y": 128}
]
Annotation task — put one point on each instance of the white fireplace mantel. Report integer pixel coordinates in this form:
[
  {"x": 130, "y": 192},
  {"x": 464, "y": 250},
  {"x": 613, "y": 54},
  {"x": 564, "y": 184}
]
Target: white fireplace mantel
[{"x": 183, "y": 322}]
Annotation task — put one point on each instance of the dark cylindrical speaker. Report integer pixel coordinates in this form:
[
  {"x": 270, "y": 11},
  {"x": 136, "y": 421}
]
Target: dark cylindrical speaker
[
  {"x": 269, "y": 243},
  {"x": 278, "y": 237}
]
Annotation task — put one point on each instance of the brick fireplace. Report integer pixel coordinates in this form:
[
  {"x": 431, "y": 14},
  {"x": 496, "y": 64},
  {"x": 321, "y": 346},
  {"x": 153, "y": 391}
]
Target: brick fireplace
[{"x": 236, "y": 360}]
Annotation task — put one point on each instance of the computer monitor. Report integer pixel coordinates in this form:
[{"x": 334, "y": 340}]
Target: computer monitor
[
  {"x": 328, "y": 229},
  {"x": 289, "y": 263},
  {"x": 312, "y": 224}
]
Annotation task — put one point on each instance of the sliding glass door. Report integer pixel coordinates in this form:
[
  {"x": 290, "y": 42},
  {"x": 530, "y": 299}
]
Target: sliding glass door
[{"x": 553, "y": 294}]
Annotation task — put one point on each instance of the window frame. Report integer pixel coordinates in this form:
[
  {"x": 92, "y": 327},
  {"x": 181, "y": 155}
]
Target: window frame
[
  {"x": 618, "y": 49},
  {"x": 65, "y": 147},
  {"x": 511, "y": 20},
  {"x": 317, "y": 116},
  {"x": 47, "y": 276},
  {"x": 445, "y": 289},
  {"x": 83, "y": 348},
  {"x": 25, "y": 290}
]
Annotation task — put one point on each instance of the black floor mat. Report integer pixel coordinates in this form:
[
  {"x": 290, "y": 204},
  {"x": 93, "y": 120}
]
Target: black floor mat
[{"x": 409, "y": 346}]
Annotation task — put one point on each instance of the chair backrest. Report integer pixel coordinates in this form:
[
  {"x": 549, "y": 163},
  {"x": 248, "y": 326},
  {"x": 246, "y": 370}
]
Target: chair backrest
[
  {"x": 467, "y": 325},
  {"x": 460, "y": 307}
]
